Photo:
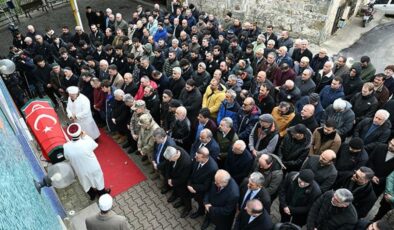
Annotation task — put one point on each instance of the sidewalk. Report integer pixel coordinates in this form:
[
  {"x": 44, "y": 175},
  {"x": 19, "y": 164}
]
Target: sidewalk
[{"x": 348, "y": 35}]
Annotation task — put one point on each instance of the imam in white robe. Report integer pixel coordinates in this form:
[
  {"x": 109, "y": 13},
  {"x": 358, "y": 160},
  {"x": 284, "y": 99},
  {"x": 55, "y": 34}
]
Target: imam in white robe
[
  {"x": 84, "y": 162},
  {"x": 81, "y": 108}
]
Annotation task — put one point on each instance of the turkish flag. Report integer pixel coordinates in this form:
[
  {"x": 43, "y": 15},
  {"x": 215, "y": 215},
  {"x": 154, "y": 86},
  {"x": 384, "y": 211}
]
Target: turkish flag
[{"x": 46, "y": 128}]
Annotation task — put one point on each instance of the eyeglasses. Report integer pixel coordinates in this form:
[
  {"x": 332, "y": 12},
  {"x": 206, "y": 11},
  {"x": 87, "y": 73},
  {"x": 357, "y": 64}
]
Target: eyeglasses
[{"x": 244, "y": 104}]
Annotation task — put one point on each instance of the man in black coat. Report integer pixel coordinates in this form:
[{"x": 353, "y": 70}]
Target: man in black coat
[
  {"x": 253, "y": 188},
  {"x": 177, "y": 172},
  {"x": 239, "y": 161},
  {"x": 206, "y": 140},
  {"x": 374, "y": 130},
  {"x": 129, "y": 86},
  {"x": 152, "y": 101},
  {"x": 162, "y": 141},
  {"x": 351, "y": 156},
  {"x": 333, "y": 210},
  {"x": 296, "y": 196},
  {"x": 221, "y": 201},
  {"x": 381, "y": 161},
  {"x": 203, "y": 171},
  {"x": 192, "y": 99},
  {"x": 176, "y": 82},
  {"x": 253, "y": 217},
  {"x": 294, "y": 147},
  {"x": 361, "y": 187},
  {"x": 324, "y": 169}
]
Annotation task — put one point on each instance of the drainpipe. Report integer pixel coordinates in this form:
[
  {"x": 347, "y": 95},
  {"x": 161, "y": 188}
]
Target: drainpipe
[{"x": 77, "y": 16}]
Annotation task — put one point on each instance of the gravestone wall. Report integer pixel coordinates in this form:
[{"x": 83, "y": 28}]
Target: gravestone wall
[{"x": 303, "y": 18}]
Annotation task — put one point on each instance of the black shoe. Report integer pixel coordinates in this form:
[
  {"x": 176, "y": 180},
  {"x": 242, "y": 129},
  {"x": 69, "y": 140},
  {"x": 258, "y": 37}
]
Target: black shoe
[
  {"x": 126, "y": 145},
  {"x": 165, "y": 190},
  {"x": 194, "y": 215},
  {"x": 205, "y": 225},
  {"x": 178, "y": 204},
  {"x": 92, "y": 193},
  {"x": 144, "y": 158},
  {"x": 171, "y": 199},
  {"x": 185, "y": 213}
]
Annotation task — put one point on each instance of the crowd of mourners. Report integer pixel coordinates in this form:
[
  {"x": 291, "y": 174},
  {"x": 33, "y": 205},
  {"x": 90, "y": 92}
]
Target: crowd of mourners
[{"x": 228, "y": 114}]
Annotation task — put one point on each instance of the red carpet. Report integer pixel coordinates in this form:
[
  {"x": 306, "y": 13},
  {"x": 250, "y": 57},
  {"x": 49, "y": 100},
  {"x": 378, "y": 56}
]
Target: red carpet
[{"x": 120, "y": 172}]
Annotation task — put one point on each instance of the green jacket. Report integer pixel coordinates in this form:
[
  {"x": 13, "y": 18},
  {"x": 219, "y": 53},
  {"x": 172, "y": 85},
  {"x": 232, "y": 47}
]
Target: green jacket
[{"x": 390, "y": 186}]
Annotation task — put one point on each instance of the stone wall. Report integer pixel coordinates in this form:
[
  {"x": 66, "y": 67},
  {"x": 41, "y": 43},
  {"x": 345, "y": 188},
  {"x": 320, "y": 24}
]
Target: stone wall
[{"x": 303, "y": 18}]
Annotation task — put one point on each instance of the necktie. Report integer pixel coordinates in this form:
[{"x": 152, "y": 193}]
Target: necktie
[
  {"x": 199, "y": 166},
  {"x": 160, "y": 147},
  {"x": 246, "y": 199},
  {"x": 201, "y": 145}
]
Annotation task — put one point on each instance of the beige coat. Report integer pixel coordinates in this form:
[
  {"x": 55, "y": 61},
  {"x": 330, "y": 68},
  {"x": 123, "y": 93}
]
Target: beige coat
[
  {"x": 317, "y": 147},
  {"x": 146, "y": 141}
]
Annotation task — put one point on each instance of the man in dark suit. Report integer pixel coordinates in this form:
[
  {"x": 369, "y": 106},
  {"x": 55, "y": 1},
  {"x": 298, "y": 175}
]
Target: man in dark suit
[
  {"x": 253, "y": 217},
  {"x": 162, "y": 141},
  {"x": 203, "y": 171},
  {"x": 221, "y": 200},
  {"x": 177, "y": 173},
  {"x": 239, "y": 161},
  {"x": 270, "y": 35},
  {"x": 253, "y": 188},
  {"x": 205, "y": 122},
  {"x": 361, "y": 187},
  {"x": 206, "y": 140},
  {"x": 381, "y": 161}
]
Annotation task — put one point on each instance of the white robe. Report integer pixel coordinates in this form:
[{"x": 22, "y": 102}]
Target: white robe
[
  {"x": 84, "y": 162},
  {"x": 81, "y": 108}
]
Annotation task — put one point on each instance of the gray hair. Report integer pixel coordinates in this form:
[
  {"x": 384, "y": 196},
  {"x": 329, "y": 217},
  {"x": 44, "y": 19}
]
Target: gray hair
[
  {"x": 208, "y": 132},
  {"x": 344, "y": 195},
  {"x": 305, "y": 59},
  {"x": 272, "y": 54},
  {"x": 257, "y": 178},
  {"x": 229, "y": 122},
  {"x": 177, "y": 69},
  {"x": 232, "y": 93},
  {"x": 232, "y": 77},
  {"x": 271, "y": 41},
  {"x": 384, "y": 112},
  {"x": 241, "y": 144},
  {"x": 119, "y": 92},
  {"x": 127, "y": 98},
  {"x": 175, "y": 40},
  {"x": 202, "y": 64},
  {"x": 170, "y": 152},
  {"x": 159, "y": 132}
]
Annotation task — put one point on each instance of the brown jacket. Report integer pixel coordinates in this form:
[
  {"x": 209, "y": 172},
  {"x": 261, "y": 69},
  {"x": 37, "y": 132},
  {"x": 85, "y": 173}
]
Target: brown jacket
[{"x": 317, "y": 147}]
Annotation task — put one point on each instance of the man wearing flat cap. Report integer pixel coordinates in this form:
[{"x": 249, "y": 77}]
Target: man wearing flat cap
[
  {"x": 106, "y": 218},
  {"x": 78, "y": 111},
  {"x": 79, "y": 151},
  {"x": 264, "y": 136}
]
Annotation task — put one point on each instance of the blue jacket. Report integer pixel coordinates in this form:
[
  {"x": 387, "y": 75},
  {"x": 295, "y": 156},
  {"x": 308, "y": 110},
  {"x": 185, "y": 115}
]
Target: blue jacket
[
  {"x": 228, "y": 110},
  {"x": 160, "y": 34},
  {"x": 246, "y": 123},
  {"x": 328, "y": 95}
]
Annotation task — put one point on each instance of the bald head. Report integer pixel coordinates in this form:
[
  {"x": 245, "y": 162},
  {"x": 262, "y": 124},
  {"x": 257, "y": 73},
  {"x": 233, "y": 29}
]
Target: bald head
[
  {"x": 327, "y": 157},
  {"x": 222, "y": 177},
  {"x": 307, "y": 111},
  {"x": 239, "y": 147},
  {"x": 254, "y": 207}
]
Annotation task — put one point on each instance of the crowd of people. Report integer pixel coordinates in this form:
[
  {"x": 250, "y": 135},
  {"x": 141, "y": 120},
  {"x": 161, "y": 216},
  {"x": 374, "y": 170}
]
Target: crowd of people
[{"x": 227, "y": 114}]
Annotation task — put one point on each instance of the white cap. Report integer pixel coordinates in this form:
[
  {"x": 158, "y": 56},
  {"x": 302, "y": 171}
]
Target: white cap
[
  {"x": 74, "y": 130},
  {"x": 72, "y": 90},
  {"x": 105, "y": 202}
]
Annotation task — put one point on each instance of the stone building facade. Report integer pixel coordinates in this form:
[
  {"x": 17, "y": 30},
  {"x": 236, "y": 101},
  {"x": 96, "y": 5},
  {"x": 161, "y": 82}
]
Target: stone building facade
[{"x": 315, "y": 20}]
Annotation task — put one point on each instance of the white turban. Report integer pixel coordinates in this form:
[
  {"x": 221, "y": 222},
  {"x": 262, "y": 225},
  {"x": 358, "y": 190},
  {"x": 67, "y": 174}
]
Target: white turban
[{"x": 72, "y": 90}]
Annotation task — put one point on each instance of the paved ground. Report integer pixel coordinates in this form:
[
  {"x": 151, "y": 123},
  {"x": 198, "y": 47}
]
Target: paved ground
[
  {"x": 377, "y": 44},
  {"x": 142, "y": 204}
]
